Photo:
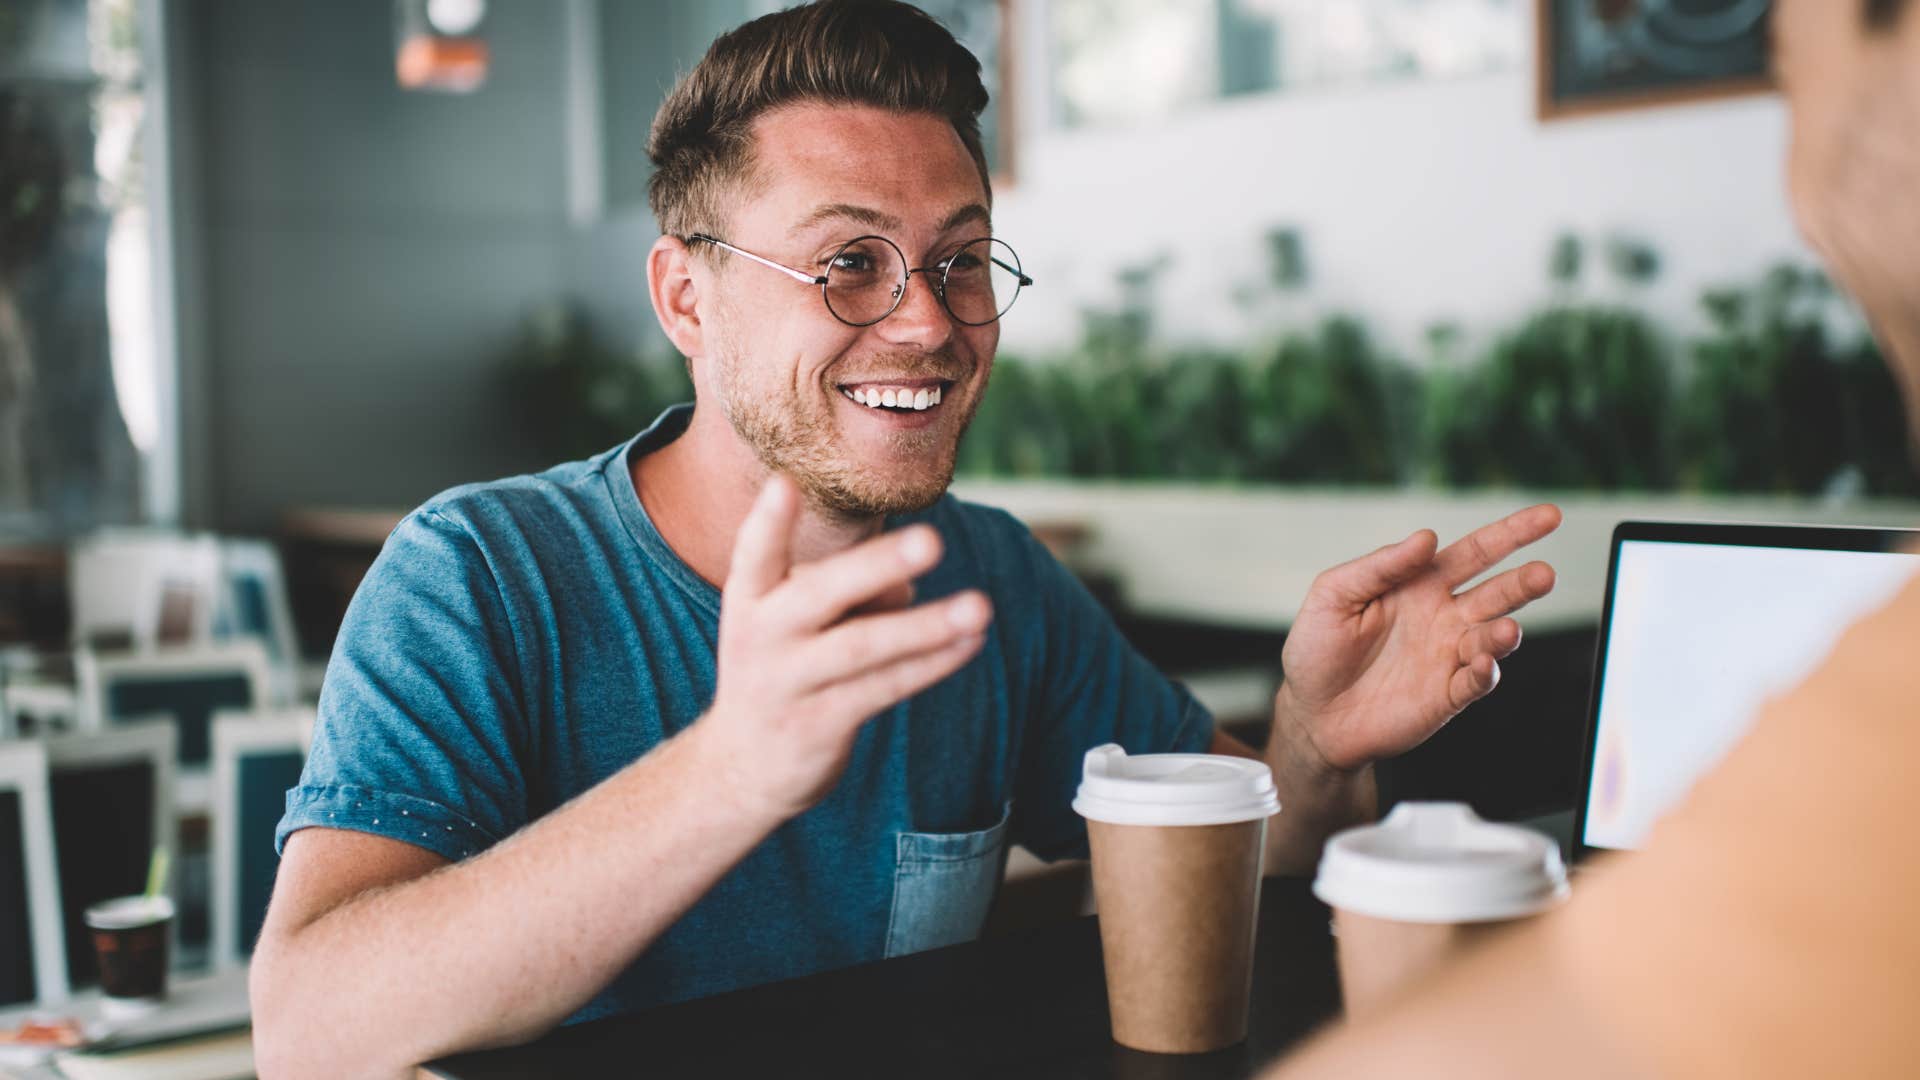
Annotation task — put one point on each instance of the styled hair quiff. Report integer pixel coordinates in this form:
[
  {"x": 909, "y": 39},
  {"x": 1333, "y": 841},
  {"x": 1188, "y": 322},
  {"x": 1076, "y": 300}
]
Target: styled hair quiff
[{"x": 859, "y": 52}]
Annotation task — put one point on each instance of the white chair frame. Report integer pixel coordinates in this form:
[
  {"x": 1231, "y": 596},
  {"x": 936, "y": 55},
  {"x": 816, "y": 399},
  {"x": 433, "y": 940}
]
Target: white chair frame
[
  {"x": 259, "y": 561},
  {"x": 23, "y": 768},
  {"x": 236, "y": 733},
  {"x": 96, "y": 671}
]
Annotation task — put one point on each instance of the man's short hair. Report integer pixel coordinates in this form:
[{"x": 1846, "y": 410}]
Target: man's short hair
[
  {"x": 863, "y": 52},
  {"x": 1884, "y": 14}
]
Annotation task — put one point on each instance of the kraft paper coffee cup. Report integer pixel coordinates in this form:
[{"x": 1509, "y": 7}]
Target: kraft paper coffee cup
[
  {"x": 1177, "y": 842},
  {"x": 1432, "y": 879},
  {"x": 130, "y": 936}
]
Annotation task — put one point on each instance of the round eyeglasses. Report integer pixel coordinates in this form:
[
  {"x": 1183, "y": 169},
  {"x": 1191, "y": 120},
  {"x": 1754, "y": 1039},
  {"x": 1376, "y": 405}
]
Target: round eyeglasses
[{"x": 866, "y": 278}]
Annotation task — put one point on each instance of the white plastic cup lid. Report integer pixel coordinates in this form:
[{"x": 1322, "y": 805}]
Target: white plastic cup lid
[
  {"x": 1174, "y": 789},
  {"x": 129, "y": 912},
  {"x": 1440, "y": 863}
]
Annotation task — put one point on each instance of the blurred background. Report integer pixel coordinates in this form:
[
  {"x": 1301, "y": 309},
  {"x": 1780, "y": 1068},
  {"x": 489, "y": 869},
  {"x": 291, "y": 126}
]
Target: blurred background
[{"x": 1311, "y": 274}]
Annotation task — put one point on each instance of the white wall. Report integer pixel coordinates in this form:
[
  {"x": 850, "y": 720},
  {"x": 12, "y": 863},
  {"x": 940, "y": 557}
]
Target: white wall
[
  {"x": 1246, "y": 556},
  {"x": 1419, "y": 201}
]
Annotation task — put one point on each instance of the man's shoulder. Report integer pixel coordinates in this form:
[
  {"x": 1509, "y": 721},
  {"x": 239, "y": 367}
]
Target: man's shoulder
[{"x": 565, "y": 497}]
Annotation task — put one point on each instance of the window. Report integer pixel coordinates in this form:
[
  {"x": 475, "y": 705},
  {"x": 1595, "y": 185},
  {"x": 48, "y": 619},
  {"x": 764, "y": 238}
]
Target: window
[
  {"x": 78, "y": 394},
  {"x": 1118, "y": 61}
]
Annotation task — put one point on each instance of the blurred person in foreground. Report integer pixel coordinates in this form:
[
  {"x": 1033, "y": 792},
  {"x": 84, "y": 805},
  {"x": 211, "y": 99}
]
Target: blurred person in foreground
[
  {"x": 1769, "y": 927},
  {"x": 750, "y": 696}
]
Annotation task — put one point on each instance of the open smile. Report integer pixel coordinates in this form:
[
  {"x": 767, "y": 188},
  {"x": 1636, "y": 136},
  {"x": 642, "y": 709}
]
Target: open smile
[{"x": 897, "y": 395}]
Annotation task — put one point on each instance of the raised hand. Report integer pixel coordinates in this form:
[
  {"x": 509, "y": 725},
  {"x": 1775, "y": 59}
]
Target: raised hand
[
  {"x": 809, "y": 653},
  {"x": 1385, "y": 651}
]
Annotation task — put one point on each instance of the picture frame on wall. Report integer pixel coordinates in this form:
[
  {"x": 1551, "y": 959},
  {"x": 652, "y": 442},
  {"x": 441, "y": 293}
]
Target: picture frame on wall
[{"x": 1600, "y": 56}]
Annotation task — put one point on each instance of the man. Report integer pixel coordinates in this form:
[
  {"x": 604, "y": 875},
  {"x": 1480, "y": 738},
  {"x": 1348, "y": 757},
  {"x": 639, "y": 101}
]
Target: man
[
  {"x": 750, "y": 697},
  {"x": 1768, "y": 927}
]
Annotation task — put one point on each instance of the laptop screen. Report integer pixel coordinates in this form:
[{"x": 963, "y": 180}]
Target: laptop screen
[
  {"x": 17, "y": 979},
  {"x": 103, "y": 834},
  {"x": 1700, "y": 635}
]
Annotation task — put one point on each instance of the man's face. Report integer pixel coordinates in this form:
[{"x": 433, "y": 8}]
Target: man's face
[
  {"x": 783, "y": 369},
  {"x": 1854, "y": 167}
]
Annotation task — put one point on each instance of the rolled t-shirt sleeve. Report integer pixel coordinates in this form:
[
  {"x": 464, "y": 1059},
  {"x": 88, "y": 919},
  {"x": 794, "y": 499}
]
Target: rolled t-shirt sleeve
[
  {"x": 422, "y": 713},
  {"x": 1091, "y": 687}
]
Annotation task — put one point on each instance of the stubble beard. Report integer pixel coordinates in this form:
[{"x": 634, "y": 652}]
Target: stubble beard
[{"x": 798, "y": 435}]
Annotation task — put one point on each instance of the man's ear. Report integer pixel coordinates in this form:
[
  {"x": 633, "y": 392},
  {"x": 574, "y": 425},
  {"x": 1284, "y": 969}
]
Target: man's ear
[{"x": 676, "y": 299}]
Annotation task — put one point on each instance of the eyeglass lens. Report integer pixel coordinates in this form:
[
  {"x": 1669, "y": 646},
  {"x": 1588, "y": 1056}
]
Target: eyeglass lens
[{"x": 867, "y": 277}]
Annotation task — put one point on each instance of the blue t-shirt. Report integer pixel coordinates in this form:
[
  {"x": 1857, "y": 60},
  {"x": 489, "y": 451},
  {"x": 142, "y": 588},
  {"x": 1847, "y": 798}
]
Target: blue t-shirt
[{"x": 518, "y": 642}]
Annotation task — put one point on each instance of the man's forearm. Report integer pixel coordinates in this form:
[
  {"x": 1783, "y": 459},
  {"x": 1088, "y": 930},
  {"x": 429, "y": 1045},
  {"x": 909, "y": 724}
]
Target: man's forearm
[
  {"x": 1315, "y": 799},
  {"x": 502, "y": 947}
]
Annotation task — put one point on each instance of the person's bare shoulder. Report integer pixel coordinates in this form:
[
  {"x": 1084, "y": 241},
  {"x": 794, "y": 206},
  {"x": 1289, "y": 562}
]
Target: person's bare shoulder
[{"x": 1873, "y": 670}]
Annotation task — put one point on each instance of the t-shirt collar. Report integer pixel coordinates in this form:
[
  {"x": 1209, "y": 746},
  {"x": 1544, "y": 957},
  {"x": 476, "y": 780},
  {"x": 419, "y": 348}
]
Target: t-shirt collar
[{"x": 617, "y": 471}]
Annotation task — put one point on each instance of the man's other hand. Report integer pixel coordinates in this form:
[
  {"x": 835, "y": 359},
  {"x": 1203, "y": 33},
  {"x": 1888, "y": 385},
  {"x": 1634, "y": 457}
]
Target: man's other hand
[{"x": 1385, "y": 651}]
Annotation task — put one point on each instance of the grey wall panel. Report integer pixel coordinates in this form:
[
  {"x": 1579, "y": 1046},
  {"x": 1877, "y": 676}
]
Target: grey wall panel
[
  {"x": 370, "y": 252},
  {"x": 365, "y": 372}
]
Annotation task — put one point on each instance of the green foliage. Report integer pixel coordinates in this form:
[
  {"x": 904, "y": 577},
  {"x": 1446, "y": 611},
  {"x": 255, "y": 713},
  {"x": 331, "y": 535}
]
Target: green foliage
[
  {"x": 1580, "y": 395},
  {"x": 1632, "y": 260},
  {"x": 1577, "y": 397},
  {"x": 1331, "y": 408},
  {"x": 1776, "y": 405},
  {"x": 1321, "y": 408},
  {"x": 579, "y": 394}
]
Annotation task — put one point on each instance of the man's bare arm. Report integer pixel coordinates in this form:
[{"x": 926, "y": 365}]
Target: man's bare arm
[
  {"x": 374, "y": 959},
  {"x": 1314, "y": 802},
  {"x": 377, "y": 955}
]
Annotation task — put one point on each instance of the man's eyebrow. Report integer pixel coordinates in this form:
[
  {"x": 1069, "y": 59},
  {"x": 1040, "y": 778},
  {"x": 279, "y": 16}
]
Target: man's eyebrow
[
  {"x": 871, "y": 218},
  {"x": 877, "y": 219},
  {"x": 967, "y": 213}
]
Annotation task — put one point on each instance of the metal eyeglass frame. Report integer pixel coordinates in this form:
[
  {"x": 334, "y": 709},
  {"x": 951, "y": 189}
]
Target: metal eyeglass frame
[{"x": 899, "y": 293}]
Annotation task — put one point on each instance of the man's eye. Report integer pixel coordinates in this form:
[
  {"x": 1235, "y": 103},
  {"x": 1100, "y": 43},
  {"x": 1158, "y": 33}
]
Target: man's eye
[
  {"x": 965, "y": 262},
  {"x": 858, "y": 262}
]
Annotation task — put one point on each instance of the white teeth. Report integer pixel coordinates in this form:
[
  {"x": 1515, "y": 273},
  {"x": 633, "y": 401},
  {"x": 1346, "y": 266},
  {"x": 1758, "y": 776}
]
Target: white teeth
[{"x": 895, "y": 398}]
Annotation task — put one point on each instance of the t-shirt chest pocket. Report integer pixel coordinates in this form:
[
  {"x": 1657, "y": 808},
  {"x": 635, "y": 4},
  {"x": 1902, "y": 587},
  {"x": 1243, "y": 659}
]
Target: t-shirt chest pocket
[{"x": 943, "y": 886}]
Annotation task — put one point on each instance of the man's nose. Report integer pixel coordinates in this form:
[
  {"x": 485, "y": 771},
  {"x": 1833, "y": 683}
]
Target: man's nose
[{"x": 921, "y": 319}]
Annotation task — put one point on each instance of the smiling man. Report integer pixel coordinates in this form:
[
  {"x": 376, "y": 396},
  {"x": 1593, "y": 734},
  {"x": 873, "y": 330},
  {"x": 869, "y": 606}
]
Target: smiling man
[{"x": 751, "y": 696}]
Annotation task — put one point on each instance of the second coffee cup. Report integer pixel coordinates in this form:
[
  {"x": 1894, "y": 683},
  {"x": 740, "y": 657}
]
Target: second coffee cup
[
  {"x": 130, "y": 935},
  {"x": 1430, "y": 880},
  {"x": 1178, "y": 841}
]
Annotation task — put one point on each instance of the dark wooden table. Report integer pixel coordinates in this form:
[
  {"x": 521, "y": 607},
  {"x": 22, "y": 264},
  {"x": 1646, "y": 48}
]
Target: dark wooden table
[{"x": 1031, "y": 1004}]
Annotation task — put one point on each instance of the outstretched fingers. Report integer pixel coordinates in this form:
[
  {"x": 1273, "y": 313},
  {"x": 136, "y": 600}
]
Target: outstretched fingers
[
  {"x": 1497, "y": 639},
  {"x": 1357, "y": 583},
  {"x": 1473, "y": 682},
  {"x": 868, "y": 643},
  {"x": 1484, "y": 548},
  {"x": 1506, "y": 593},
  {"x": 886, "y": 684},
  {"x": 876, "y": 573},
  {"x": 763, "y": 548}
]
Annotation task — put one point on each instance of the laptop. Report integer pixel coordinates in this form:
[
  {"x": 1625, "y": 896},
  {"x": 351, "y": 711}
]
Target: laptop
[{"x": 1702, "y": 625}]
